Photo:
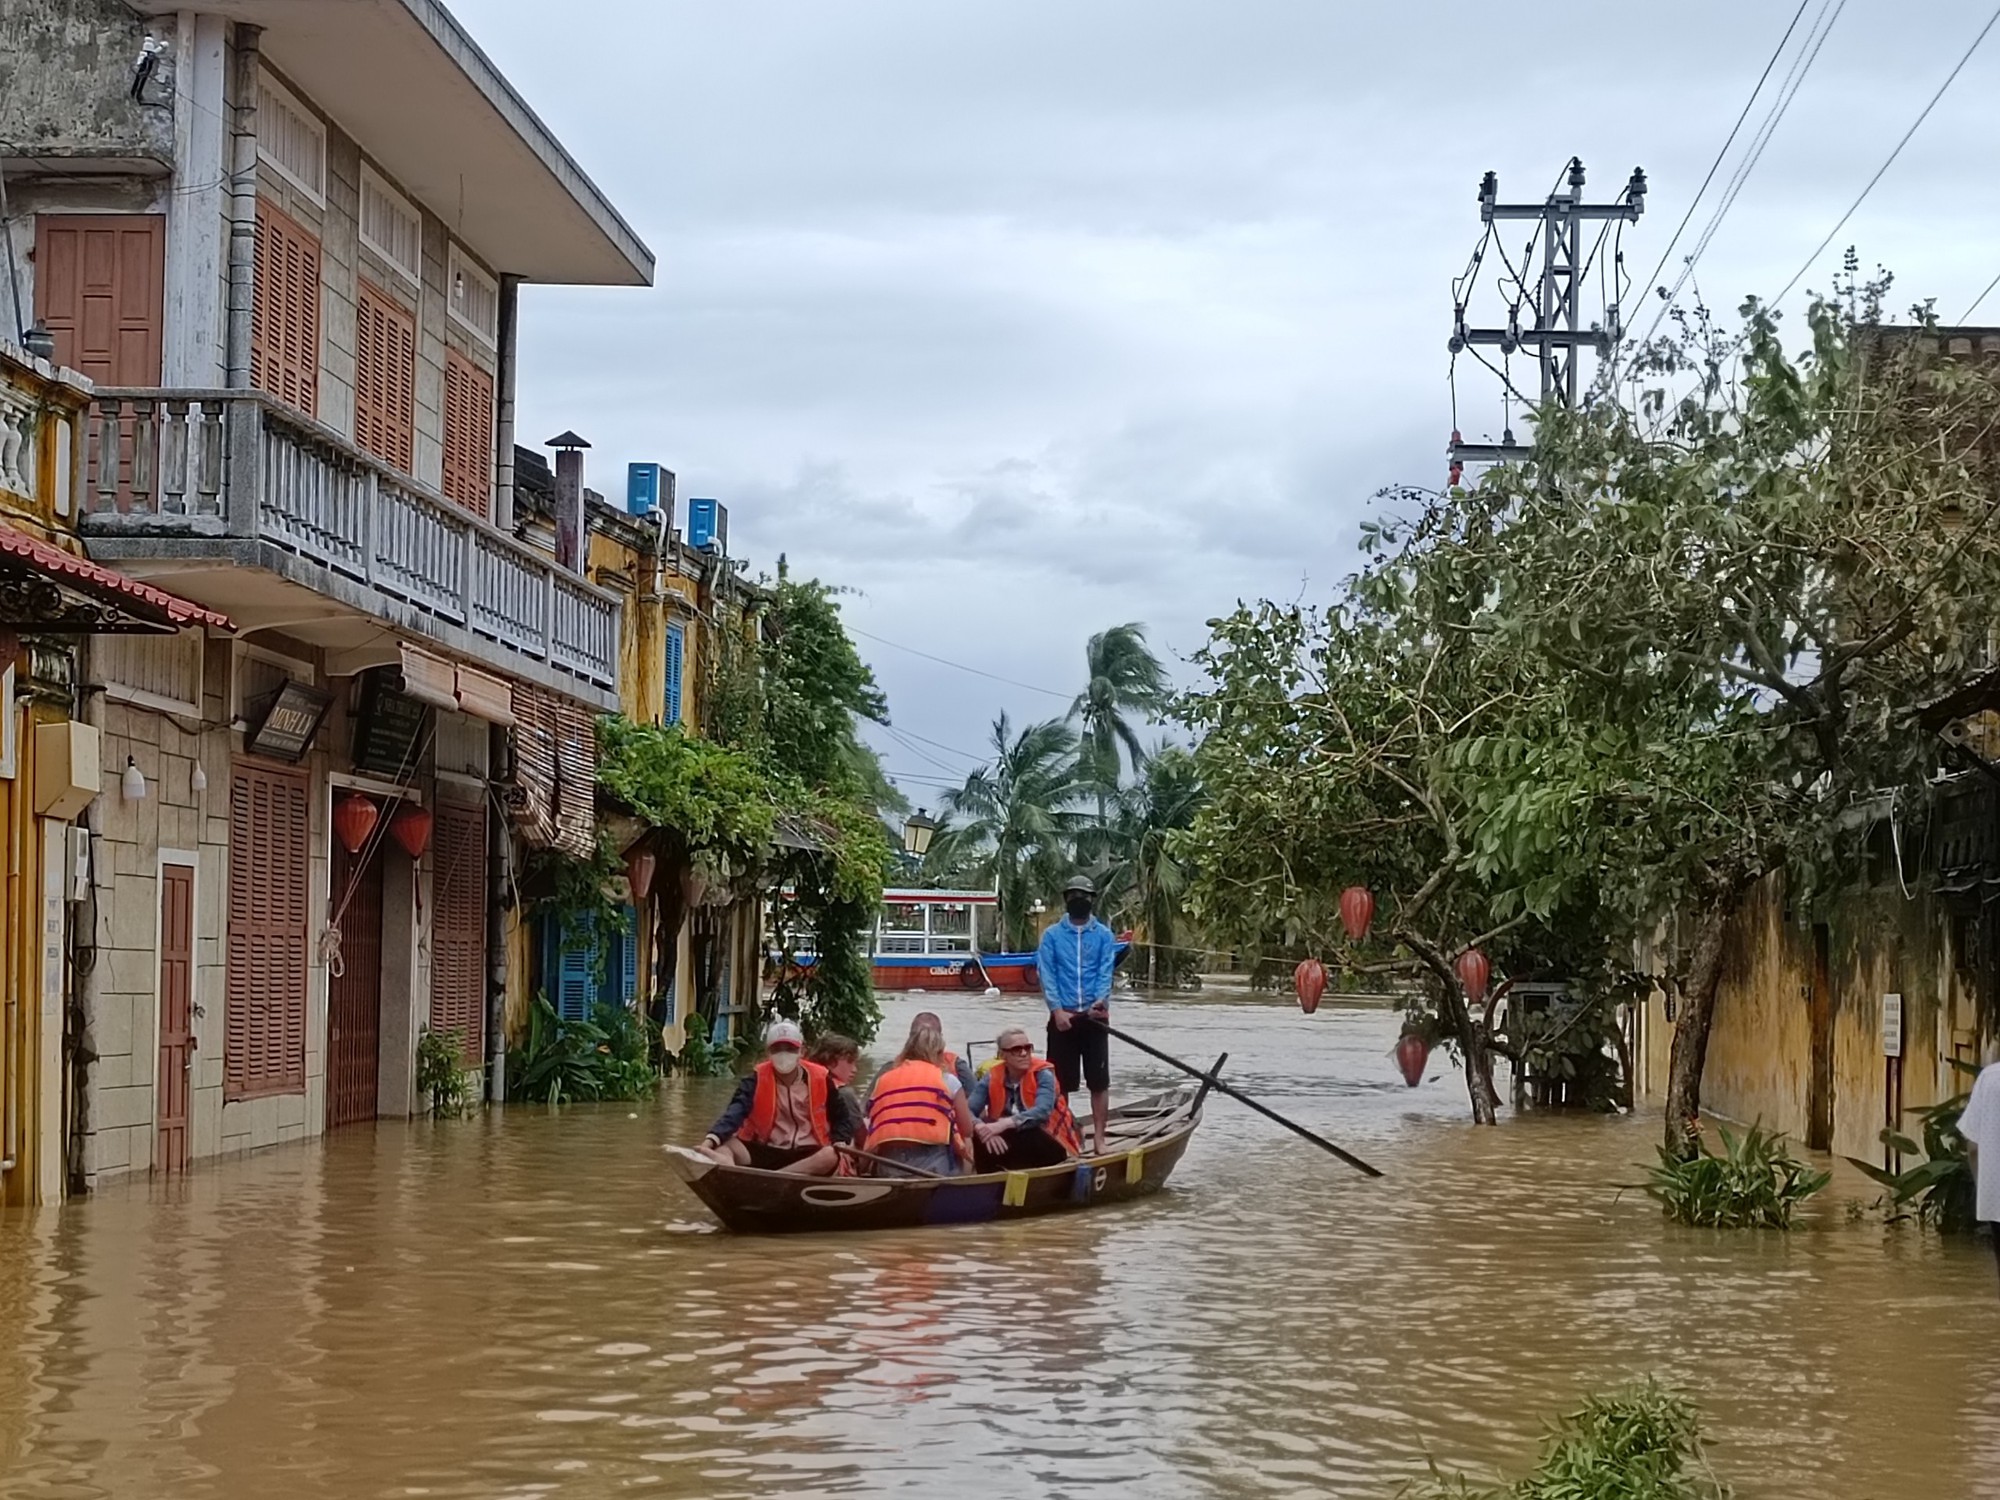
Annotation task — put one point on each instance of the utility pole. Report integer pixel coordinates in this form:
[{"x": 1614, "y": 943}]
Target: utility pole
[{"x": 1554, "y": 336}]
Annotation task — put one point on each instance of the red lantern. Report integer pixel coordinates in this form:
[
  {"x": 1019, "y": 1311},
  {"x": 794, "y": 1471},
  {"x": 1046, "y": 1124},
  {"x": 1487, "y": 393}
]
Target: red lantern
[
  {"x": 639, "y": 866},
  {"x": 1473, "y": 972},
  {"x": 1309, "y": 979},
  {"x": 1357, "y": 911},
  {"x": 354, "y": 818},
  {"x": 1412, "y": 1052},
  {"x": 411, "y": 827}
]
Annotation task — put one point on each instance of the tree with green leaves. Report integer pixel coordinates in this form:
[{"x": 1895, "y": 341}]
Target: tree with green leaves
[
  {"x": 1145, "y": 882},
  {"x": 1125, "y": 685},
  {"x": 1021, "y": 808},
  {"x": 1746, "y": 592}
]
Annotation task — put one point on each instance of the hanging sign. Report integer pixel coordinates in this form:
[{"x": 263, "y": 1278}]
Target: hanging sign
[
  {"x": 386, "y": 726},
  {"x": 290, "y": 722},
  {"x": 1892, "y": 1025}
]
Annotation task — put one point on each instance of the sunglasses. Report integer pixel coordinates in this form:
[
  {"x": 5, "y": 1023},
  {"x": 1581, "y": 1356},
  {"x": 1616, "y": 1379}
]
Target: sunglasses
[{"x": 1024, "y": 1047}]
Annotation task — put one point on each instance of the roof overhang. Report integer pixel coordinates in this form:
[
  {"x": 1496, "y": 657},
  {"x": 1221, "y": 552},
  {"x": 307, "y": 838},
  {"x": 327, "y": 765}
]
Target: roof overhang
[
  {"x": 406, "y": 81},
  {"x": 47, "y": 591}
]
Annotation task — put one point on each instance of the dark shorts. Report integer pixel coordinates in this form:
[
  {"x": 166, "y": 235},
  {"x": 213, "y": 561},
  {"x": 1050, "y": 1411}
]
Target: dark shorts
[
  {"x": 1085, "y": 1048},
  {"x": 776, "y": 1158}
]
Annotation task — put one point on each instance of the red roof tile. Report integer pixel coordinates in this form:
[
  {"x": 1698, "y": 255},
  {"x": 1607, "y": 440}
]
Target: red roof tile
[{"x": 96, "y": 578}]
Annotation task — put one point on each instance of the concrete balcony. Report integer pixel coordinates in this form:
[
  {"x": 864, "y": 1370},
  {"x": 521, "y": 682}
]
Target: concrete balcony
[{"x": 251, "y": 508}]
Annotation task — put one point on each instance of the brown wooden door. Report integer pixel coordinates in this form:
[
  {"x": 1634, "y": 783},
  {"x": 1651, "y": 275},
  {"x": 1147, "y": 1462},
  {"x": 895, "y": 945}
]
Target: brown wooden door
[
  {"x": 284, "y": 322},
  {"x": 354, "y": 996},
  {"x": 385, "y": 378},
  {"x": 468, "y": 433},
  {"x": 269, "y": 934},
  {"x": 458, "y": 941},
  {"x": 98, "y": 285},
  {"x": 176, "y": 1059}
]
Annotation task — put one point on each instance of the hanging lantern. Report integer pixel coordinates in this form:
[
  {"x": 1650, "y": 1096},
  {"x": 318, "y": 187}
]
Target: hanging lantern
[
  {"x": 411, "y": 827},
  {"x": 354, "y": 818},
  {"x": 1309, "y": 979},
  {"x": 1473, "y": 972},
  {"x": 639, "y": 867},
  {"x": 1412, "y": 1052},
  {"x": 1357, "y": 911}
]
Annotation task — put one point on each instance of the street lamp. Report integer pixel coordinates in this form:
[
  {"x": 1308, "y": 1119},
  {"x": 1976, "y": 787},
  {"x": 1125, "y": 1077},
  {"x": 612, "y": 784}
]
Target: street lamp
[{"x": 917, "y": 831}]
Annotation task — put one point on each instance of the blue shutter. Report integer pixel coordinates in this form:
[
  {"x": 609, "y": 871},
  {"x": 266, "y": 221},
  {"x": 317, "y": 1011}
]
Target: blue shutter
[
  {"x": 676, "y": 650},
  {"x": 621, "y": 973},
  {"x": 575, "y": 980}
]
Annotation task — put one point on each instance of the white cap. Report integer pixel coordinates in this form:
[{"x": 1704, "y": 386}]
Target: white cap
[{"x": 783, "y": 1031}]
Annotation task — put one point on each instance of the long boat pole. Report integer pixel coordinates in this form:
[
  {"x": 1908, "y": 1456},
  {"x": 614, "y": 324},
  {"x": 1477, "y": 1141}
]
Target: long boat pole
[{"x": 1209, "y": 1080}]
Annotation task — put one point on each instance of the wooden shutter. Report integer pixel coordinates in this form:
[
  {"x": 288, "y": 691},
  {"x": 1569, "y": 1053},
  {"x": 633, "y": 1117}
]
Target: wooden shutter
[
  {"x": 264, "y": 983},
  {"x": 676, "y": 656},
  {"x": 385, "y": 378},
  {"x": 458, "y": 932},
  {"x": 621, "y": 979},
  {"x": 572, "y": 978},
  {"x": 468, "y": 434},
  {"x": 99, "y": 282},
  {"x": 284, "y": 321}
]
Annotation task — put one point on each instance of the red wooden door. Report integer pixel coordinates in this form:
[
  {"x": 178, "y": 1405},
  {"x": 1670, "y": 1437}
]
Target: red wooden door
[
  {"x": 354, "y": 996},
  {"x": 98, "y": 285},
  {"x": 171, "y": 1085},
  {"x": 269, "y": 933},
  {"x": 458, "y": 943}
]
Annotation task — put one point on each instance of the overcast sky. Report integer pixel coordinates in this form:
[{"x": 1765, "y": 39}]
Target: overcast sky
[{"x": 1025, "y": 319}]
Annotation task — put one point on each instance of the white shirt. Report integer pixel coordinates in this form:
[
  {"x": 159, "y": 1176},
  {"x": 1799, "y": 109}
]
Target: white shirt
[{"x": 1980, "y": 1124}]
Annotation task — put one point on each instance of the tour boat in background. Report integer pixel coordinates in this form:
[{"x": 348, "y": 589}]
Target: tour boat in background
[{"x": 948, "y": 940}]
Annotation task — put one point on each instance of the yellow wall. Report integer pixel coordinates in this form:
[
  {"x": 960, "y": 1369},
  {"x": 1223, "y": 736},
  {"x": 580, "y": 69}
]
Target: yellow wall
[
  {"x": 31, "y": 1082},
  {"x": 1760, "y": 1051}
]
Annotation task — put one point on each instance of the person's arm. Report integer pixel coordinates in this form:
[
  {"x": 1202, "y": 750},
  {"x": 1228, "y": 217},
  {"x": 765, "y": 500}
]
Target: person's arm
[
  {"x": 843, "y": 1116},
  {"x": 1047, "y": 973},
  {"x": 977, "y": 1096},
  {"x": 1037, "y": 1116},
  {"x": 731, "y": 1120},
  {"x": 964, "y": 1071},
  {"x": 1104, "y": 962},
  {"x": 967, "y": 1126}
]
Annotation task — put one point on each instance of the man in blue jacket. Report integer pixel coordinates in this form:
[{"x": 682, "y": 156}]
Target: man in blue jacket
[{"x": 1075, "y": 963}]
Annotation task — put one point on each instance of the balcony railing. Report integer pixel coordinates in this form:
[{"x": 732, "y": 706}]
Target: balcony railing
[{"x": 238, "y": 464}]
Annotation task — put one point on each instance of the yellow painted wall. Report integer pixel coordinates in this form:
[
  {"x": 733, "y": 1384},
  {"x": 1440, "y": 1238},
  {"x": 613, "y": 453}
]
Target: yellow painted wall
[{"x": 1760, "y": 1055}]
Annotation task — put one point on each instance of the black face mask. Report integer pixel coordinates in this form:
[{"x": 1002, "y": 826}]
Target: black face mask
[{"x": 1079, "y": 907}]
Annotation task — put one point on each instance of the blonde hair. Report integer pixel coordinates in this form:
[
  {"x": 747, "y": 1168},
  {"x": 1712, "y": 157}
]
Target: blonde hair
[
  {"x": 926, "y": 1042},
  {"x": 1009, "y": 1034}
]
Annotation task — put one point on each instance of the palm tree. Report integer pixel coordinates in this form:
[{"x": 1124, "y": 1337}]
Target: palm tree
[
  {"x": 1144, "y": 882},
  {"x": 1021, "y": 809},
  {"x": 1126, "y": 679}
]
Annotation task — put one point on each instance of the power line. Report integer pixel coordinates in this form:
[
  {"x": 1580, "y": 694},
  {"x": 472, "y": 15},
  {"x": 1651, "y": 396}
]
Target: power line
[
  {"x": 1716, "y": 165},
  {"x": 1915, "y": 125},
  {"x": 962, "y": 667},
  {"x": 1788, "y": 90}
]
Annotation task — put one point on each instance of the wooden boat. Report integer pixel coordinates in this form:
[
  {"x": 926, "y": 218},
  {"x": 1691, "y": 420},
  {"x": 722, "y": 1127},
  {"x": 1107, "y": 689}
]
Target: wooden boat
[{"x": 1148, "y": 1136}]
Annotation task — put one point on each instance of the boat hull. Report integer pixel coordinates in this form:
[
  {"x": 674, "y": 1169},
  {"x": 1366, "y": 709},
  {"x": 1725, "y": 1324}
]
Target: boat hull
[
  {"x": 749, "y": 1201},
  {"x": 1010, "y": 973}
]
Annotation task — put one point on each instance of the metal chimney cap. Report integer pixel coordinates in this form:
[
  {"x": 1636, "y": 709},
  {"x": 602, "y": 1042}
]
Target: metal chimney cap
[{"x": 566, "y": 440}]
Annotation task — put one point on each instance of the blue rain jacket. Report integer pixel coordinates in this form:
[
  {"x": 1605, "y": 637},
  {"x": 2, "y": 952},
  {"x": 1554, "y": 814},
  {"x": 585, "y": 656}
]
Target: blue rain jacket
[{"x": 1075, "y": 964}]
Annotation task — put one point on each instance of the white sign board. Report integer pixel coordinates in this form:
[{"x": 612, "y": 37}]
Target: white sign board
[{"x": 1892, "y": 1025}]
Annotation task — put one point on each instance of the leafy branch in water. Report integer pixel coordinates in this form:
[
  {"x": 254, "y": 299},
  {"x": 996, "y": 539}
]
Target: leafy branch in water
[
  {"x": 559, "y": 1060},
  {"x": 1641, "y": 1442},
  {"x": 1752, "y": 1183},
  {"x": 1939, "y": 1191},
  {"x": 441, "y": 1073}
]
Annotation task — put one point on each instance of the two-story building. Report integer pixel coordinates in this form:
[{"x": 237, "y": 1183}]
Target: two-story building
[{"x": 287, "y": 242}]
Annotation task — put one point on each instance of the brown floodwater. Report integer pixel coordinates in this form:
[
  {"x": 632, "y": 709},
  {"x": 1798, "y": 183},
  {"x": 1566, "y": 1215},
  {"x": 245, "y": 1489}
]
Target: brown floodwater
[{"x": 525, "y": 1306}]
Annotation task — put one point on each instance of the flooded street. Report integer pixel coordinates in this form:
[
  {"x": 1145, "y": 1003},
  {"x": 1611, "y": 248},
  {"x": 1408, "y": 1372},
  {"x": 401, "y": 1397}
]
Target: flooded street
[{"x": 525, "y": 1305}]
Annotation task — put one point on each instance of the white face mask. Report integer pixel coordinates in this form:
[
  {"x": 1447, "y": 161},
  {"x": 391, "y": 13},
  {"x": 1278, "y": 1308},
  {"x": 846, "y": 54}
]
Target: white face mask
[{"x": 784, "y": 1062}]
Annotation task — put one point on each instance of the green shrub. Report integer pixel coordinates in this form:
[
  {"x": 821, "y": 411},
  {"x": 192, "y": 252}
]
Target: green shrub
[
  {"x": 1939, "y": 1191},
  {"x": 601, "y": 1058},
  {"x": 1752, "y": 1183},
  {"x": 1641, "y": 1442},
  {"x": 442, "y": 1074}
]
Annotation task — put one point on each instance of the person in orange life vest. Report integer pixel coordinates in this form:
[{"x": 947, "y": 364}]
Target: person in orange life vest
[
  {"x": 952, "y": 1061},
  {"x": 781, "y": 1119},
  {"x": 1023, "y": 1116},
  {"x": 917, "y": 1114}
]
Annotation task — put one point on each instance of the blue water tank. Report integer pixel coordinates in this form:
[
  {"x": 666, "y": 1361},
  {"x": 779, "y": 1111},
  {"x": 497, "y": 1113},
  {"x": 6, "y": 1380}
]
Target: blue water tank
[{"x": 708, "y": 526}]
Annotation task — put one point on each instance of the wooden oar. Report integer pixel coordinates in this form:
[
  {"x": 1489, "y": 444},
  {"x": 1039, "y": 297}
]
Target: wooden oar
[{"x": 1209, "y": 1080}]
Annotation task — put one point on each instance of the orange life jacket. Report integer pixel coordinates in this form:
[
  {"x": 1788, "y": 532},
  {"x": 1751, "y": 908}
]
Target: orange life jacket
[
  {"x": 1062, "y": 1124},
  {"x": 764, "y": 1107},
  {"x": 909, "y": 1103}
]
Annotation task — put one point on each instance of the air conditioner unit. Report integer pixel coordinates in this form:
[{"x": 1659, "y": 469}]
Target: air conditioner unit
[
  {"x": 650, "y": 488},
  {"x": 708, "y": 526}
]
